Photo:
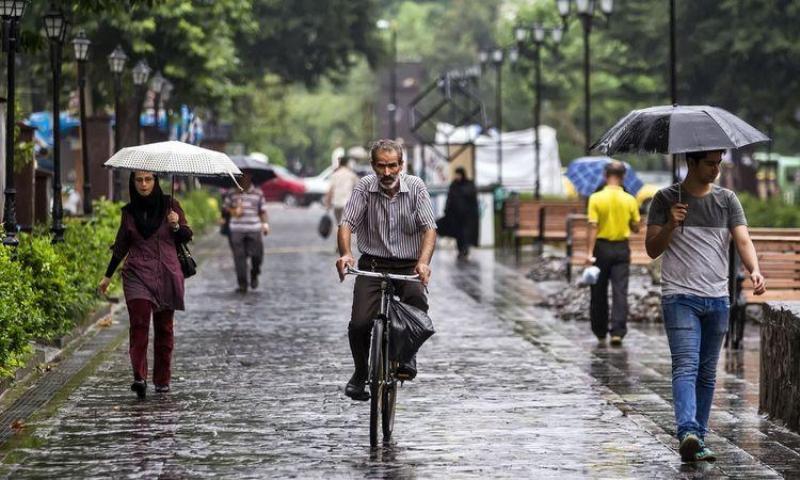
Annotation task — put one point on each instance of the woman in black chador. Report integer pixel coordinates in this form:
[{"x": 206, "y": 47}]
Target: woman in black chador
[{"x": 461, "y": 213}]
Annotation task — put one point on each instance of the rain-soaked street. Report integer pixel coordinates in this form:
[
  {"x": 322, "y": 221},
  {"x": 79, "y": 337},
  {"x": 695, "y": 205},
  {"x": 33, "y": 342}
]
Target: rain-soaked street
[{"x": 505, "y": 389}]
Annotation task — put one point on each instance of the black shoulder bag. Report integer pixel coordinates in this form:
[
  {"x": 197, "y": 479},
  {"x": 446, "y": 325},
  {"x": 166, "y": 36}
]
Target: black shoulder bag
[{"x": 188, "y": 264}]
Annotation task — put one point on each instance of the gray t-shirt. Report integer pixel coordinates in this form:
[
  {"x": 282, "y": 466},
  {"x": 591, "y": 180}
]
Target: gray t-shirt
[{"x": 696, "y": 260}]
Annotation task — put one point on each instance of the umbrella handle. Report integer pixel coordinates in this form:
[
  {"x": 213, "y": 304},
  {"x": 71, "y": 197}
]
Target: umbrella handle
[{"x": 235, "y": 182}]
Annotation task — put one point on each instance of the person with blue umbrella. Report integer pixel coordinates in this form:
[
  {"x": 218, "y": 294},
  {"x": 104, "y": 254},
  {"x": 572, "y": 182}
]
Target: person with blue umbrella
[{"x": 613, "y": 215}]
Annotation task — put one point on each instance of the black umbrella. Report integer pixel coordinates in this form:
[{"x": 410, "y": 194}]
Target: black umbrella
[
  {"x": 260, "y": 172},
  {"x": 678, "y": 129}
]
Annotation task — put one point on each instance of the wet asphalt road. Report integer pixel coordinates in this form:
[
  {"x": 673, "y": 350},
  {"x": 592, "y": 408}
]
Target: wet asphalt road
[{"x": 505, "y": 390}]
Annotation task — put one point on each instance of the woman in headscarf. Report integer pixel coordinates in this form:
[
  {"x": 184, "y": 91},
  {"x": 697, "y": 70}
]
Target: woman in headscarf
[{"x": 151, "y": 227}]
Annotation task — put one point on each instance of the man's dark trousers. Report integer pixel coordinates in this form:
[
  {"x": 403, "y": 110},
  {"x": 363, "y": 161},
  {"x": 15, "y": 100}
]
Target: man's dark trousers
[
  {"x": 614, "y": 262},
  {"x": 244, "y": 245},
  {"x": 367, "y": 304}
]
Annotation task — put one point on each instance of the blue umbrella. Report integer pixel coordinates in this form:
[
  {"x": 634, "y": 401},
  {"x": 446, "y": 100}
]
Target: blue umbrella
[{"x": 587, "y": 174}]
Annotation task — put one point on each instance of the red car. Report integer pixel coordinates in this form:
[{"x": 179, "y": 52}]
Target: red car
[{"x": 285, "y": 187}]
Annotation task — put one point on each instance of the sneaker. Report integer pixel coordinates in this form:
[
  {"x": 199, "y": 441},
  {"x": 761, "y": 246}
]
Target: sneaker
[
  {"x": 162, "y": 388},
  {"x": 241, "y": 290},
  {"x": 616, "y": 341},
  {"x": 705, "y": 454},
  {"x": 140, "y": 387},
  {"x": 690, "y": 446}
]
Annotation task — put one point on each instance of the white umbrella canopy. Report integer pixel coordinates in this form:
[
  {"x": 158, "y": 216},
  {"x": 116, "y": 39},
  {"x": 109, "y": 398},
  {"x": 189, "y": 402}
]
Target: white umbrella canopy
[{"x": 176, "y": 158}]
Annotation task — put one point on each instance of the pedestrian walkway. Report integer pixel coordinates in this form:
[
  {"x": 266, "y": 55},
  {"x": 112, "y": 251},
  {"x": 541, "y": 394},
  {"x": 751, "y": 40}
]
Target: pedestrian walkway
[{"x": 505, "y": 389}]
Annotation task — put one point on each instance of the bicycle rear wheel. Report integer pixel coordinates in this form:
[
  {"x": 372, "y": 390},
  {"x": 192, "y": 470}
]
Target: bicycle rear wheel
[{"x": 376, "y": 385}]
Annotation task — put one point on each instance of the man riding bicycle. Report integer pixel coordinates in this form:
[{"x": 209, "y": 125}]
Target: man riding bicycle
[{"x": 391, "y": 214}]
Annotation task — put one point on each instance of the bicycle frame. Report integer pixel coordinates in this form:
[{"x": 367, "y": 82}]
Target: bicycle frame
[{"x": 383, "y": 388}]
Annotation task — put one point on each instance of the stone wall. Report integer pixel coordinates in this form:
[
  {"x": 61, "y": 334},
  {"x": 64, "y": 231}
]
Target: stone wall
[{"x": 780, "y": 363}]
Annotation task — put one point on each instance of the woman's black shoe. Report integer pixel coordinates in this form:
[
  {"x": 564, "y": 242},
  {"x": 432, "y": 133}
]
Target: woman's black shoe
[
  {"x": 140, "y": 387},
  {"x": 162, "y": 388}
]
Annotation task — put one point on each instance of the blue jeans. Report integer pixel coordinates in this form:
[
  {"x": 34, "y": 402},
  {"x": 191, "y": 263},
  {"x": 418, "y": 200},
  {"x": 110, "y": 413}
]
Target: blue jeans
[{"x": 696, "y": 327}]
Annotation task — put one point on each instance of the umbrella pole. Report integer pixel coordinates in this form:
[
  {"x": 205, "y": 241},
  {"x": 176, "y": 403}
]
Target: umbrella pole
[{"x": 172, "y": 192}]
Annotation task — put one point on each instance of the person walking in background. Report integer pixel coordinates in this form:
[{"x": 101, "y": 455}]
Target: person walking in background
[
  {"x": 343, "y": 181},
  {"x": 692, "y": 223},
  {"x": 613, "y": 215},
  {"x": 248, "y": 223},
  {"x": 151, "y": 227},
  {"x": 461, "y": 215}
]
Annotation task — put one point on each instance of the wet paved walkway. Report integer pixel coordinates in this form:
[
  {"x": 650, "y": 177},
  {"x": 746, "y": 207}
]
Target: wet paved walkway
[{"x": 505, "y": 390}]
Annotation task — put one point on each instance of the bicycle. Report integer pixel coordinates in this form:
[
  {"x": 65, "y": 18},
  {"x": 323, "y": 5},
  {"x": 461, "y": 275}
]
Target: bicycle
[{"x": 382, "y": 371}]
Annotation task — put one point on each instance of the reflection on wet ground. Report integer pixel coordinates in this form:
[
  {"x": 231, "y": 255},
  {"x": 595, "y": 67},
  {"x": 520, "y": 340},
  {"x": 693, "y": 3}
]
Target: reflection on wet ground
[{"x": 505, "y": 389}]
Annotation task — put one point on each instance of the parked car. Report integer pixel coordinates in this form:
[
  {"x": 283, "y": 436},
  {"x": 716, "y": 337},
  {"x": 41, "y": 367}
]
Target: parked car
[
  {"x": 318, "y": 185},
  {"x": 285, "y": 187}
]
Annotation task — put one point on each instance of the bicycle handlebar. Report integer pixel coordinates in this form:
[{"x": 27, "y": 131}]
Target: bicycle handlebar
[{"x": 390, "y": 276}]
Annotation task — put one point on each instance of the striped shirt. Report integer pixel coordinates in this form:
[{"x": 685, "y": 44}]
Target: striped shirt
[
  {"x": 253, "y": 206},
  {"x": 389, "y": 227}
]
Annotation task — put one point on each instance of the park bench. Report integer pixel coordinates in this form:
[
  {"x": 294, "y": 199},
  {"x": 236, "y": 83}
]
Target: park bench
[
  {"x": 543, "y": 221},
  {"x": 779, "y": 260},
  {"x": 778, "y": 252}
]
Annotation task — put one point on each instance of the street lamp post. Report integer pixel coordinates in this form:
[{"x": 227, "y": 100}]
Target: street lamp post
[
  {"x": 537, "y": 34},
  {"x": 81, "y": 45},
  {"x": 585, "y": 10},
  {"x": 141, "y": 72},
  {"x": 116, "y": 62},
  {"x": 392, "y": 106},
  {"x": 496, "y": 57},
  {"x": 11, "y": 11},
  {"x": 156, "y": 84},
  {"x": 56, "y": 26}
]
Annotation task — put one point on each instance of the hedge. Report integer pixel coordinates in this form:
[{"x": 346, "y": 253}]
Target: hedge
[
  {"x": 46, "y": 289},
  {"x": 773, "y": 213}
]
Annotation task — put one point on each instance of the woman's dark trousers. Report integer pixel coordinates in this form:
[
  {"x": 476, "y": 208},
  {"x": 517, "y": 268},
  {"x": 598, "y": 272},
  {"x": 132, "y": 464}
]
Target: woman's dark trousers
[{"x": 140, "y": 311}]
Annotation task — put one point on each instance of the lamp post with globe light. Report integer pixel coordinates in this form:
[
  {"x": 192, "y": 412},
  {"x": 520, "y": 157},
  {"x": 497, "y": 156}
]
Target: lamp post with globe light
[
  {"x": 116, "y": 62},
  {"x": 11, "y": 12},
  {"x": 56, "y": 26},
  {"x": 585, "y": 10}
]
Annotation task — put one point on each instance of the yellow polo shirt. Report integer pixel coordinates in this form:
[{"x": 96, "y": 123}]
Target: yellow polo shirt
[{"x": 613, "y": 210}]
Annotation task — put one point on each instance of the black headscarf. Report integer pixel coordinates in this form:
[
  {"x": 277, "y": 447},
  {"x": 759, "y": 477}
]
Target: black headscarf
[{"x": 148, "y": 212}]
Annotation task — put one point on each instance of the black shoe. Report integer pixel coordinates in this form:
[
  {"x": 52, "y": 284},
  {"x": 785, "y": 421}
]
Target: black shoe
[
  {"x": 253, "y": 280},
  {"x": 407, "y": 371},
  {"x": 140, "y": 387},
  {"x": 162, "y": 388},
  {"x": 241, "y": 290},
  {"x": 355, "y": 389}
]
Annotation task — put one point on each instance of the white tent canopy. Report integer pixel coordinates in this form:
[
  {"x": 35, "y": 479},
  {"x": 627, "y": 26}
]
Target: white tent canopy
[{"x": 519, "y": 172}]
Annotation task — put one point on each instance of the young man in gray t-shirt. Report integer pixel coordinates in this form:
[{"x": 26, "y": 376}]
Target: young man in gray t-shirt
[{"x": 691, "y": 223}]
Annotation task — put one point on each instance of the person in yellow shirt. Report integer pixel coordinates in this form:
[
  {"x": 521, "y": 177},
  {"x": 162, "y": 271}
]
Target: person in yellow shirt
[{"x": 613, "y": 215}]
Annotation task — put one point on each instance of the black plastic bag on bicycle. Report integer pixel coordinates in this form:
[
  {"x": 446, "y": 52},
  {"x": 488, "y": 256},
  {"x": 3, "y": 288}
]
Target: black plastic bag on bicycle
[{"x": 410, "y": 327}]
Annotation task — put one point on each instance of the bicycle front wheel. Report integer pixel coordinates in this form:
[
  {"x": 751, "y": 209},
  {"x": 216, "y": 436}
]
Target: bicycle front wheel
[
  {"x": 389, "y": 400},
  {"x": 376, "y": 385}
]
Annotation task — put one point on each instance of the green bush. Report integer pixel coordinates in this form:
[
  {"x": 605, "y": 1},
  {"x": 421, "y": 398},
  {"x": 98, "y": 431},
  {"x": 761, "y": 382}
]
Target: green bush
[
  {"x": 769, "y": 213},
  {"x": 46, "y": 289},
  {"x": 19, "y": 313},
  {"x": 201, "y": 209}
]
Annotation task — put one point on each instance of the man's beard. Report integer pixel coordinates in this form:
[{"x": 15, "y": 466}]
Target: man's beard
[{"x": 389, "y": 186}]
